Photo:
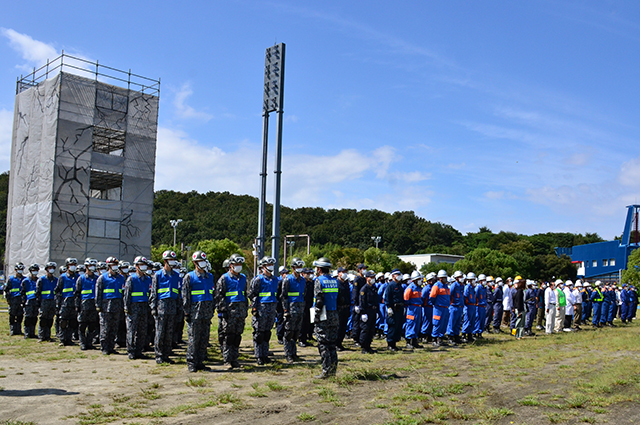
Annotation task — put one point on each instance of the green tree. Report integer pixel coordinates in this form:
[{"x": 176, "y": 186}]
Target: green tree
[
  {"x": 489, "y": 262},
  {"x": 436, "y": 267},
  {"x": 632, "y": 273},
  {"x": 219, "y": 250}
]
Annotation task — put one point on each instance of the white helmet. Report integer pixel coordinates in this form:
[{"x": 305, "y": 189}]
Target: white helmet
[
  {"x": 406, "y": 276},
  {"x": 387, "y": 275},
  {"x": 498, "y": 280},
  {"x": 568, "y": 283},
  {"x": 482, "y": 277},
  {"x": 457, "y": 274},
  {"x": 415, "y": 275},
  {"x": 578, "y": 283},
  {"x": 470, "y": 276},
  {"x": 442, "y": 273},
  {"x": 587, "y": 285},
  {"x": 379, "y": 275},
  {"x": 430, "y": 276},
  {"x": 489, "y": 279},
  {"x": 558, "y": 281},
  {"x": 598, "y": 283}
]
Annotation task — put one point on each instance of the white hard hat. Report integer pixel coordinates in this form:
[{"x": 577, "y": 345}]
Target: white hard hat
[
  {"x": 558, "y": 281},
  {"x": 471, "y": 276},
  {"x": 379, "y": 275},
  {"x": 568, "y": 283},
  {"x": 387, "y": 275},
  {"x": 430, "y": 276},
  {"x": 598, "y": 283},
  {"x": 406, "y": 276},
  {"x": 442, "y": 273},
  {"x": 415, "y": 275},
  {"x": 489, "y": 278},
  {"x": 578, "y": 284},
  {"x": 587, "y": 284},
  {"x": 482, "y": 277},
  {"x": 457, "y": 274},
  {"x": 498, "y": 280}
]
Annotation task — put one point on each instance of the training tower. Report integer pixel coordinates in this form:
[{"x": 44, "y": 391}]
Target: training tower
[{"x": 82, "y": 163}]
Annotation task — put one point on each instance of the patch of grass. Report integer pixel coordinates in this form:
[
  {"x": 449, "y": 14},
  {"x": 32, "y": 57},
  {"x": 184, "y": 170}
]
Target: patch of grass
[
  {"x": 529, "y": 400},
  {"x": 119, "y": 398},
  {"x": 556, "y": 418},
  {"x": 495, "y": 413},
  {"x": 577, "y": 401},
  {"x": 329, "y": 396},
  {"x": 257, "y": 391},
  {"x": 196, "y": 382},
  {"x": 12, "y": 422},
  {"x": 306, "y": 417},
  {"x": 451, "y": 374},
  {"x": 150, "y": 394},
  {"x": 588, "y": 419},
  {"x": 275, "y": 386}
]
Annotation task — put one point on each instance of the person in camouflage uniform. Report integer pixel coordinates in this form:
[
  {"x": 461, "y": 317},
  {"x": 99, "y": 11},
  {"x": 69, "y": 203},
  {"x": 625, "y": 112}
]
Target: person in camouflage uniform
[
  {"x": 29, "y": 301},
  {"x": 67, "y": 313},
  {"x": 262, "y": 294},
  {"x": 85, "y": 298},
  {"x": 178, "y": 328},
  {"x": 198, "y": 305},
  {"x": 325, "y": 293},
  {"x": 292, "y": 300},
  {"x": 136, "y": 308},
  {"x": 109, "y": 305},
  {"x": 231, "y": 301},
  {"x": 45, "y": 293},
  {"x": 14, "y": 300},
  {"x": 164, "y": 306}
]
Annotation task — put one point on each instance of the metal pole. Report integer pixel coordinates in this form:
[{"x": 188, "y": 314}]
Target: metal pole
[
  {"x": 275, "y": 238},
  {"x": 262, "y": 205},
  {"x": 174, "y": 235}
]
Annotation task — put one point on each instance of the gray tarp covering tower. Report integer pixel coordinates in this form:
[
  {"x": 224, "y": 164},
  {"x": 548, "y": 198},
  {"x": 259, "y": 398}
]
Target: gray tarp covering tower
[{"x": 82, "y": 171}]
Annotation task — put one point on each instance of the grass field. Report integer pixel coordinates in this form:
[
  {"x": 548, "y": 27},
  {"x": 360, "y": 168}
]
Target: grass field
[{"x": 592, "y": 376}]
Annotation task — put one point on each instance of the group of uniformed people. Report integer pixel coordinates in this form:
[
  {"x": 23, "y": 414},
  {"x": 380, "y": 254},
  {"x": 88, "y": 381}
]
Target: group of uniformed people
[{"x": 148, "y": 302}]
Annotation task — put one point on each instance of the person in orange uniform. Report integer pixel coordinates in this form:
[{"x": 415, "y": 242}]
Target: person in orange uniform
[
  {"x": 441, "y": 300},
  {"x": 413, "y": 300}
]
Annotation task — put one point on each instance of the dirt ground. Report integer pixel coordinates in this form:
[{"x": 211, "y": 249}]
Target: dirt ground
[{"x": 592, "y": 376}]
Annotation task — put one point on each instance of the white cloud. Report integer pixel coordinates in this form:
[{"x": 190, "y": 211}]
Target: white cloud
[
  {"x": 630, "y": 173},
  {"x": 6, "y": 129},
  {"x": 185, "y": 111},
  {"x": 494, "y": 194},
  {"x": 33, "y": 51}
]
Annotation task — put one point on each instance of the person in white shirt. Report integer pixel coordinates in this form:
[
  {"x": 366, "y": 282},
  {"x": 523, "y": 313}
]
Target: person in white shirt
[
  {"x": 568, "y": 312},
  {"x": 550, "y": 307},
  {"x": 507, "y": 304}
]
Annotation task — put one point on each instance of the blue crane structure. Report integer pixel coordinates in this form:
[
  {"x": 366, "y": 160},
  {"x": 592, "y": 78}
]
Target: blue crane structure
[{"x": 606, "y": 260}]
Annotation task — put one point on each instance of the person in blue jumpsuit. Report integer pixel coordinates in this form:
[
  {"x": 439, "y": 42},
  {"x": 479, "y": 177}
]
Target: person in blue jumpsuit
[
  {"x": 597, "y": 301},
  {"x": 606, "y": 303},
  {"x": 262, "y": 293},
  {"x": 531, "y": 306},
  {"x": 481, "y": 299},
  {"x": 488, "y": 320},
  {"x": 163, "y": 299},
  {"x": 325, "y": 300},
  {"x": 394, "y": 303},
  {"x": 381, "y": 322},
  {"x": 414, "y": 302},
  {"x": 441, "y": 300},
  {"x": 497, "y": 306},
  {"x": 455, "y": 310},
  {"x": 625, "y": 306},
  {"x": 613, "y": 305},
  {"x": 14, "y": 300},
  {"x": 427, "y": 308},
  {"x": 28, "y": 288},
  {"x": 470, "y": 309}
]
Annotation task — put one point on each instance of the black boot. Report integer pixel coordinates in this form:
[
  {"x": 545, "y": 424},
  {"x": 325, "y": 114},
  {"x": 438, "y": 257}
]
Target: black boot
[{"x": 414, "y": 343}]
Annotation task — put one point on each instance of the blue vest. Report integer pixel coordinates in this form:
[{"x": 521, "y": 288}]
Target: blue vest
[
  {"x": 88, "y": 286},
  {"x": 330, "y": 290},
  {"x": 268, "y": 288},
  {"x": 15, "y": 286},
  {"x": 31, "y": 288},
  {"x": 139, "y": 288},
  {"x": 168, "y": 284},
  {"x": 236, "y": 287},
  {"x": 201, "y": 287},
  {"x": 112, "y": 286},
  {"x": 68, "y": 285},
  {"x": 296, "y": 289},
  {"x": 48, "y": 287}
]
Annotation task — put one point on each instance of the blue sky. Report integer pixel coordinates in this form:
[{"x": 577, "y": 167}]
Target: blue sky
[{"x": 519, "y": 116}]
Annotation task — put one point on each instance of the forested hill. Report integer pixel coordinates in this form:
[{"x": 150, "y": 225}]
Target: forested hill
[{"x": 223, "y": 215}]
